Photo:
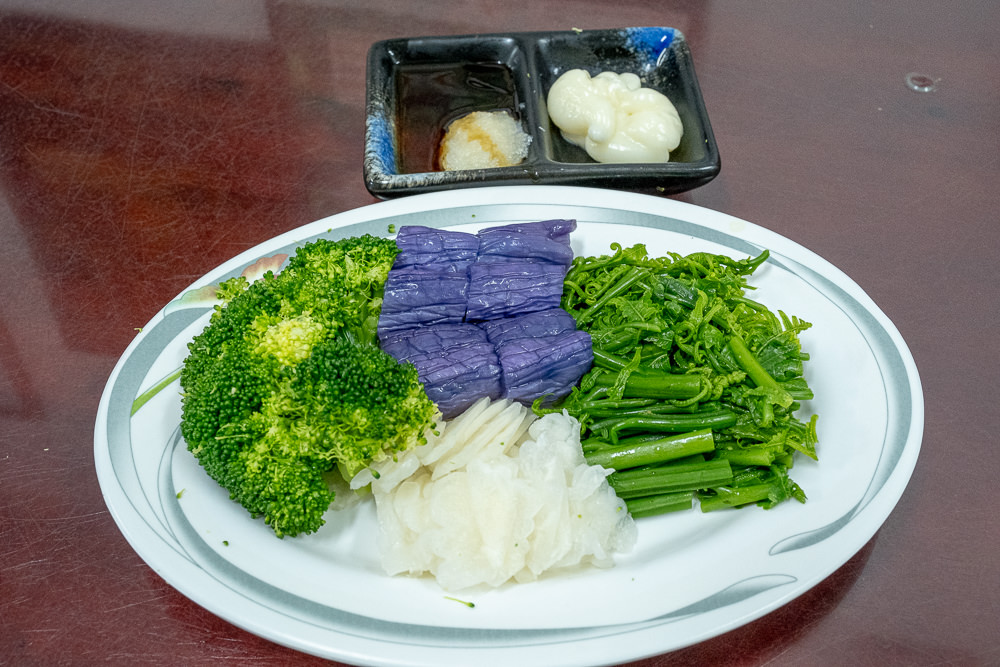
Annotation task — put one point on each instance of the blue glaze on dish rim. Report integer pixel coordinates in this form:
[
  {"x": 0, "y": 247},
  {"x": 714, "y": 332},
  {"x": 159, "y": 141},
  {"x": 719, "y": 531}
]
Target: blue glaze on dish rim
[
  {"x": 653, "y": 42},
  {"x": 380, "y": 147}
]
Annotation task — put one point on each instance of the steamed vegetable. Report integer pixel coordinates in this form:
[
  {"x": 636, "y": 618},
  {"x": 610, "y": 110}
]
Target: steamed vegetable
[
  {"x": 680, "y": 351},
  {"x": 497, "y": 496},
  {"x": 456, "y": 363},
  {"x": 430, "y": 247},
  {"x": 515, "y": 287},
  {"x": 478, "y": 314},
  {"x": 682, "y": 385},
  {"x": 542, "y": 365},
  {"x": 287, "y": 386},
  {"x": 546, "y": 241}
]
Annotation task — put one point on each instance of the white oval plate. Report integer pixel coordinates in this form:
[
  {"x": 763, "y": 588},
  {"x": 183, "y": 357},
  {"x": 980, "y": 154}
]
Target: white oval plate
[{"x": 691, "y": 576}]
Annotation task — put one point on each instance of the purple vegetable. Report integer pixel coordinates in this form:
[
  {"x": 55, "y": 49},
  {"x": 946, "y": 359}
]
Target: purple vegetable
[
  {"x": 406, "y": 343},
  {"x": 512, "y": 288},
  {"x": 420, "y": 296},
  {"x": 542, "y": 323},
  {"x": 423, "y": 246},
  {"x": 478, "y": 315},
  {"x": 455, "y": 362},
  {"x": 546, "y": 241},
  {"x": 551, "y": 365}
]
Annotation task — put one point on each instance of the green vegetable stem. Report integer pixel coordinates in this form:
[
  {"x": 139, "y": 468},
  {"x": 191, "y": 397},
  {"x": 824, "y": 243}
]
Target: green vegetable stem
[
  {"x": 695, "y": 387},
  {"x": 756, "y": 372},
  {"x": 631, "y": 454},
  {"x": 659, "y": 504},
  {"x": 678, "y": 423},
  {"x": 674, "y": 478},
  {"x": 651, "y": 384}
]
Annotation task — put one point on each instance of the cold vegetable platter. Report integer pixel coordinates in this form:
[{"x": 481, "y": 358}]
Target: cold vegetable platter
[{"x": 771, "y": 454}]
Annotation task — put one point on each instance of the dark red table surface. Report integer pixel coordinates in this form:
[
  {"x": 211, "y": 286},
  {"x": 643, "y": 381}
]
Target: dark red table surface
[{"x": 143, "y": 143}]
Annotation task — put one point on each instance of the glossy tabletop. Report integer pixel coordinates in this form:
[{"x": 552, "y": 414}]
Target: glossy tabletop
[{"x": 144, "y": 143}]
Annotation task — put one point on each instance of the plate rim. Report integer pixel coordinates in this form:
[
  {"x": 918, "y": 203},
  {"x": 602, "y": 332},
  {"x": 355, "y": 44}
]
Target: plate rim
[{"x": 364, "y": 651}]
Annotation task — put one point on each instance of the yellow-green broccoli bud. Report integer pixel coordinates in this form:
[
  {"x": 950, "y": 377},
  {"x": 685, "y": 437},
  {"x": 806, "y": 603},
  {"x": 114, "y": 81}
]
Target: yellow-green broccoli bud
[{"x": 290, "y": 341}]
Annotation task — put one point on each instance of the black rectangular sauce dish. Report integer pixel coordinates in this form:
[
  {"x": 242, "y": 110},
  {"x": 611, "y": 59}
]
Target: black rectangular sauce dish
[{"x": 416, "y": 86}]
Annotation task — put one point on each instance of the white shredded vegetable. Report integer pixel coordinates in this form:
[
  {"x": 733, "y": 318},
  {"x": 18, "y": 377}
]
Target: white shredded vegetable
[{"x": 496, "y": 496}]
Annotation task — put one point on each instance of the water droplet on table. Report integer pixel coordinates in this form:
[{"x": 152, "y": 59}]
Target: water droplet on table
[{"x": 921, "y": 83}]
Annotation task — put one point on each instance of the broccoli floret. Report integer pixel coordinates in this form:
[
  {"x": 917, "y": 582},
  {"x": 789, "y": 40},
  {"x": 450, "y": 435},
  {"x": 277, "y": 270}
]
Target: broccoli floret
[
  {"x": 287, "y": 383},
  {"x": 349, "y": 402},
  {"x": 341, "y": 282}
]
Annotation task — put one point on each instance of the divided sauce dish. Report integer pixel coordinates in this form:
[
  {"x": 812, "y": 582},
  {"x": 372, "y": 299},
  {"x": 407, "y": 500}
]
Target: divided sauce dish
[{"x": 416, "y": 86}]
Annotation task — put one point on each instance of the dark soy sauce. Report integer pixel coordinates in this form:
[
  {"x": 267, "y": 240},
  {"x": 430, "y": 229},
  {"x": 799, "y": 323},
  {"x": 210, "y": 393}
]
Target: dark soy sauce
[{"x": 428, "y": 97}]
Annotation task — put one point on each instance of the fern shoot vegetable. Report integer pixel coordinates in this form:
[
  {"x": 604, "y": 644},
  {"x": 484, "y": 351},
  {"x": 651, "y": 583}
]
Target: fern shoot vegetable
[{"x": 695, "y": 386}]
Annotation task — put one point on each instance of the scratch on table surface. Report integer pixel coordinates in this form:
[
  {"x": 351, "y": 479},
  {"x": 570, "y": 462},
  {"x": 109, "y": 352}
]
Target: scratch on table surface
[
  {"x": 11, "y": 602},
  {"x": 39, "y": 105},
  {"x": 133, "y": 151},
  {"x": 70, "y": 517},
  {"x": 36, "y": 520},
  {"x": 27, "y": 564},
  {"x": 137, "y": 603}
]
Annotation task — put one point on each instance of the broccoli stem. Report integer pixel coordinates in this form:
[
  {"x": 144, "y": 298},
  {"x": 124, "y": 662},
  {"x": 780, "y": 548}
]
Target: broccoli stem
[
  {"x": 660, "y": 504},
  {"x": 670, "y": 478},
  {"x": 647, "y": 452},
  {"x": 148, "y": 395}
]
